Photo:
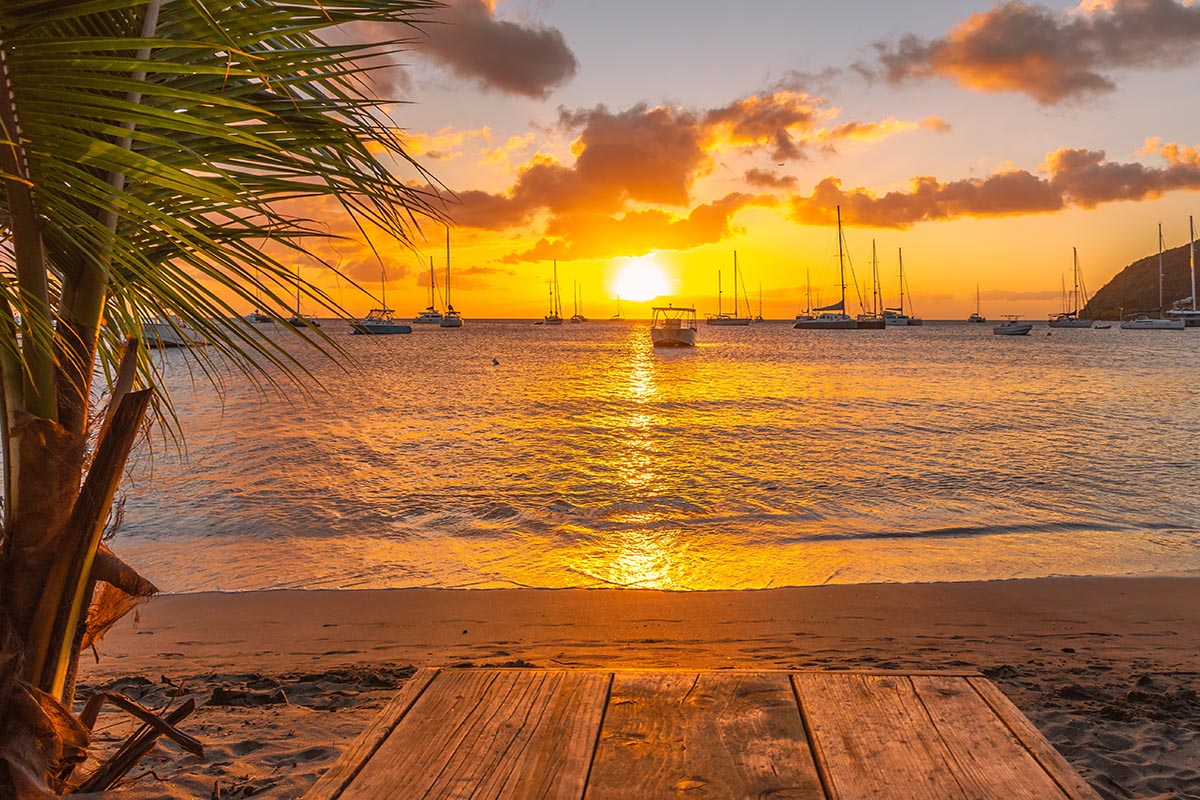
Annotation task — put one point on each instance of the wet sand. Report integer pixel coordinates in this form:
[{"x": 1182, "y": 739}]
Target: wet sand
[{"x": 1107, "y": 668}]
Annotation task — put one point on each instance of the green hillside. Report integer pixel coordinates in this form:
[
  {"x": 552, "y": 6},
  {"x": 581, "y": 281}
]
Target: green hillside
[{"x": 1135, "y": 288}]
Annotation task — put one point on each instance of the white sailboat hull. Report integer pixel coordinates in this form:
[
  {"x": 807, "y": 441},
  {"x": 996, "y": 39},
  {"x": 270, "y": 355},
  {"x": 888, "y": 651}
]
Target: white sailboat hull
[
  {"x": 1148, "y": 324},
  {"x": 160, "y": 333},
  {"x": 1070, "y": 322},
  {"x": 728, "y": 322}
]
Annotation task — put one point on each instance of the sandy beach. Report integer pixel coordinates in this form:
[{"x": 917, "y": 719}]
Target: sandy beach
[{"x": 1107, "y": 668}]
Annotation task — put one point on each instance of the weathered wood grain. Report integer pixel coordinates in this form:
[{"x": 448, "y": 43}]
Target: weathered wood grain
[
  {"x": 1050, "y": 759},
  {"x": 485, "y": 734},
  {"x": 873, "y": 738},
  {"x": 989, "y": 760},
  {"x": 331, "y": 785},
  {"x": 712, "y": 735}
]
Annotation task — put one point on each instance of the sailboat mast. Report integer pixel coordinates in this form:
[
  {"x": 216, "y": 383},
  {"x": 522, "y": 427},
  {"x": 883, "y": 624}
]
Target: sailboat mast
[
  {"x": 841, "y": 259},
  {"x": 735, "y": 284},
  {"x": 1078, "y": 293},
  {"x": 297, "y": 290},
  {"x": 449, "y": 305},
  {"x": 1192, "y": 239},
  {"x": 718, "y": 293},
  {"x": 900, "y": 250},
  {"x": 1160, "y": 268},
  {"x": 808, "y": 289},
  {"x": 977, "y": 306},
  {"x": 874, "y": 281}
]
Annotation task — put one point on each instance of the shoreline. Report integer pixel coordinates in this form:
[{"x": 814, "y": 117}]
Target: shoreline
[{"x": 1107, "y": 668}]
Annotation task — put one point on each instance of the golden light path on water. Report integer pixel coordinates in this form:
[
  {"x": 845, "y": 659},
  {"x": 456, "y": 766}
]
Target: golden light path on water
[{"x": 764, "y": 457}]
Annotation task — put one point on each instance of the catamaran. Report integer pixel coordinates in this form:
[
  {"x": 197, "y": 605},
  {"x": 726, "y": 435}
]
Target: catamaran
[
  {"x": 832, "y": 317},
  {"x": 555, "y": 315},
  {"x": 977, "y": 316},
  {"x": 1179, "y": 310},
  {"x": 1069, "y": 318},
  {"x": 1141, "y": 320},
  {"x": 380, "y": 321},
  {"x": 451, "y": 319},
  {"x": 721, "y": 318},
  {"x": 895, "y": 317},
  {"x": 431, "y": 315},
  {"x": 298, "y": 320}
]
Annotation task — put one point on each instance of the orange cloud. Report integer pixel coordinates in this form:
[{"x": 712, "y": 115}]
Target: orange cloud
[
  {"x": 1078, "y": 178},
  {"x": 1017, "y": 47},
  {"x": 446, "y": 144}
]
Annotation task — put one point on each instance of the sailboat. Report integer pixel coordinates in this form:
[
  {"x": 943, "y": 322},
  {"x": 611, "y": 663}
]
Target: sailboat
[
  {"x": 977, "y": 316},
  {"x": 576, "y": 296},
  {"x": 807, "y": 312},
  {"x": 832, "y": 317},
  {"x": 297, "y": 320},
  {"x": 431, "y": 315},
  {"x": 452, "y": 319},
  {"x": 1077, "y": 300},
  {"x": 618, "y": 315},
  {"x": 895, "y": 317},
  {"x": 872, "y": 320},
  {"x": 721, "y": 318},
  {"x": 380, "y": 321},
  {"x": 555, "y": 315},
  {"x": 256, "y": 316},
  {"x": 1142, "y": 321},
  {"x": 1190, "y": 317},
  {"x": 759, "y": 317}
]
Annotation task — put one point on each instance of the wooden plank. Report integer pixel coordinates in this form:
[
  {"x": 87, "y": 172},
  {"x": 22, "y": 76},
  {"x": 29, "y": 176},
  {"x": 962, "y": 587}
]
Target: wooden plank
[
  {"x": 491, "y": 734},
  {"x": 872, "y": 738},
  {"x": 331, "y": 785},
  {"x": 1051, "y": 760},
  {"x": 990, "y": 760},
  {"x": 716, "y": 735}
]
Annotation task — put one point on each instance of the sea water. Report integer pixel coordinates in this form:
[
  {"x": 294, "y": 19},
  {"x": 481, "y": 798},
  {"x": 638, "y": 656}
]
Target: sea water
[{"x": 511, "y": 454}]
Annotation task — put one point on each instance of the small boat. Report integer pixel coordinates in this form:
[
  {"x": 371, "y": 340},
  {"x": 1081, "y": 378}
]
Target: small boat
[
  {"x": 431, "y": 315},
  {"x": 555, "y": 315},
  {"x": 721, "y": 318},
  {"x": 258, "y": 318},
  {"x": 673, "y": 327},
  {"x": 1012, "y": 326},
  {"x": 1141, "y": 320},
  {"x": 618, "y": 315},
  {"x": 451, "y": 319},
  {"x": 1069, "y": 318},
  {"x": 1102, "y": 326},
  {"x": 380, "y": 321},
  {"x": 170, "y": 331},
  {"x": 977, "y": 316},
  {"x": 833, "y": 317}
]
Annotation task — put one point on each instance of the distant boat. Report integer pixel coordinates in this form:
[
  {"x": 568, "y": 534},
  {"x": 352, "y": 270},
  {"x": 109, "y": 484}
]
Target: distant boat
[
  {"x": 1013, "y": 326},
  {"x": 452, "y": 318},
  {"x": 555, "y": 315},
  {"x": 1190, "y": 317},
  {"x": 170, "y": 331},
  {"x": 721, "y": 318},
  {"x": 575, "y": 298},
  {"x": 673, "y": 327},
  {"x": 298, "y": 320},
  {"x": 431, "y": 315},
  {"x": 618, "y": 315},
  {"x": 832, "y": 317},
  {"x": 872, "y": 320},
  {"x": 1141, "y": 320},
  {"x": 380, "y": 321},
  {"x": 256, "y": 316},
  {"x": 1078, "y": 299},
  {"x": 759, "y": 317},
  {"x": 807, "y": 313},
  {"x": 977, "y": 316},
  {"x": 895, "y": 317}
]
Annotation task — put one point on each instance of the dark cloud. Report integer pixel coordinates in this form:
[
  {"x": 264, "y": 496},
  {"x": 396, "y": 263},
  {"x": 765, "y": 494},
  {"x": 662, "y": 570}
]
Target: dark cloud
[
  {"x": 498, "y": 54},
  {"x": 1017, "y": 47},
  {"x": 766, "y": 179},
  {"x": 1072, "y": 178}
]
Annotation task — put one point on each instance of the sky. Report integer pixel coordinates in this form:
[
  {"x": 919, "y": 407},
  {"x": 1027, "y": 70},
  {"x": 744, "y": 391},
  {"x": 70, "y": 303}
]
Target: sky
[{"x": 639, "y": 145}]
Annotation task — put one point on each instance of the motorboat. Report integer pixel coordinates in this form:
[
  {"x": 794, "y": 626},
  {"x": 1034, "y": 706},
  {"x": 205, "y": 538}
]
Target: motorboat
[
  {"x": 673, "y": 327},
  {"x": 1012, "y": 326},
  {"x": 170, "y": 331},
  {"x": 379, "y": 321},
  {"x": 1145, "y": 322}
]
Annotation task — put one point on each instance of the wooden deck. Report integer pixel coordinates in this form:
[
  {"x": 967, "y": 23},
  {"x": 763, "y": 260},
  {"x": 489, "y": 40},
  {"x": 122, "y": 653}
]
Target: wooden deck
[{"x": 641, "y": 735}]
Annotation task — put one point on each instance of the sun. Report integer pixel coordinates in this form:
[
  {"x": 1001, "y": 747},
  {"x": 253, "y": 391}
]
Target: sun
[{"x": 641, "y": 279}]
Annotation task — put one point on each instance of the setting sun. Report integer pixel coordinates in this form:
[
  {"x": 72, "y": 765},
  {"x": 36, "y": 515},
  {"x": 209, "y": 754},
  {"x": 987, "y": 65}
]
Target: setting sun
[{"x": 641, "y": 279}]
